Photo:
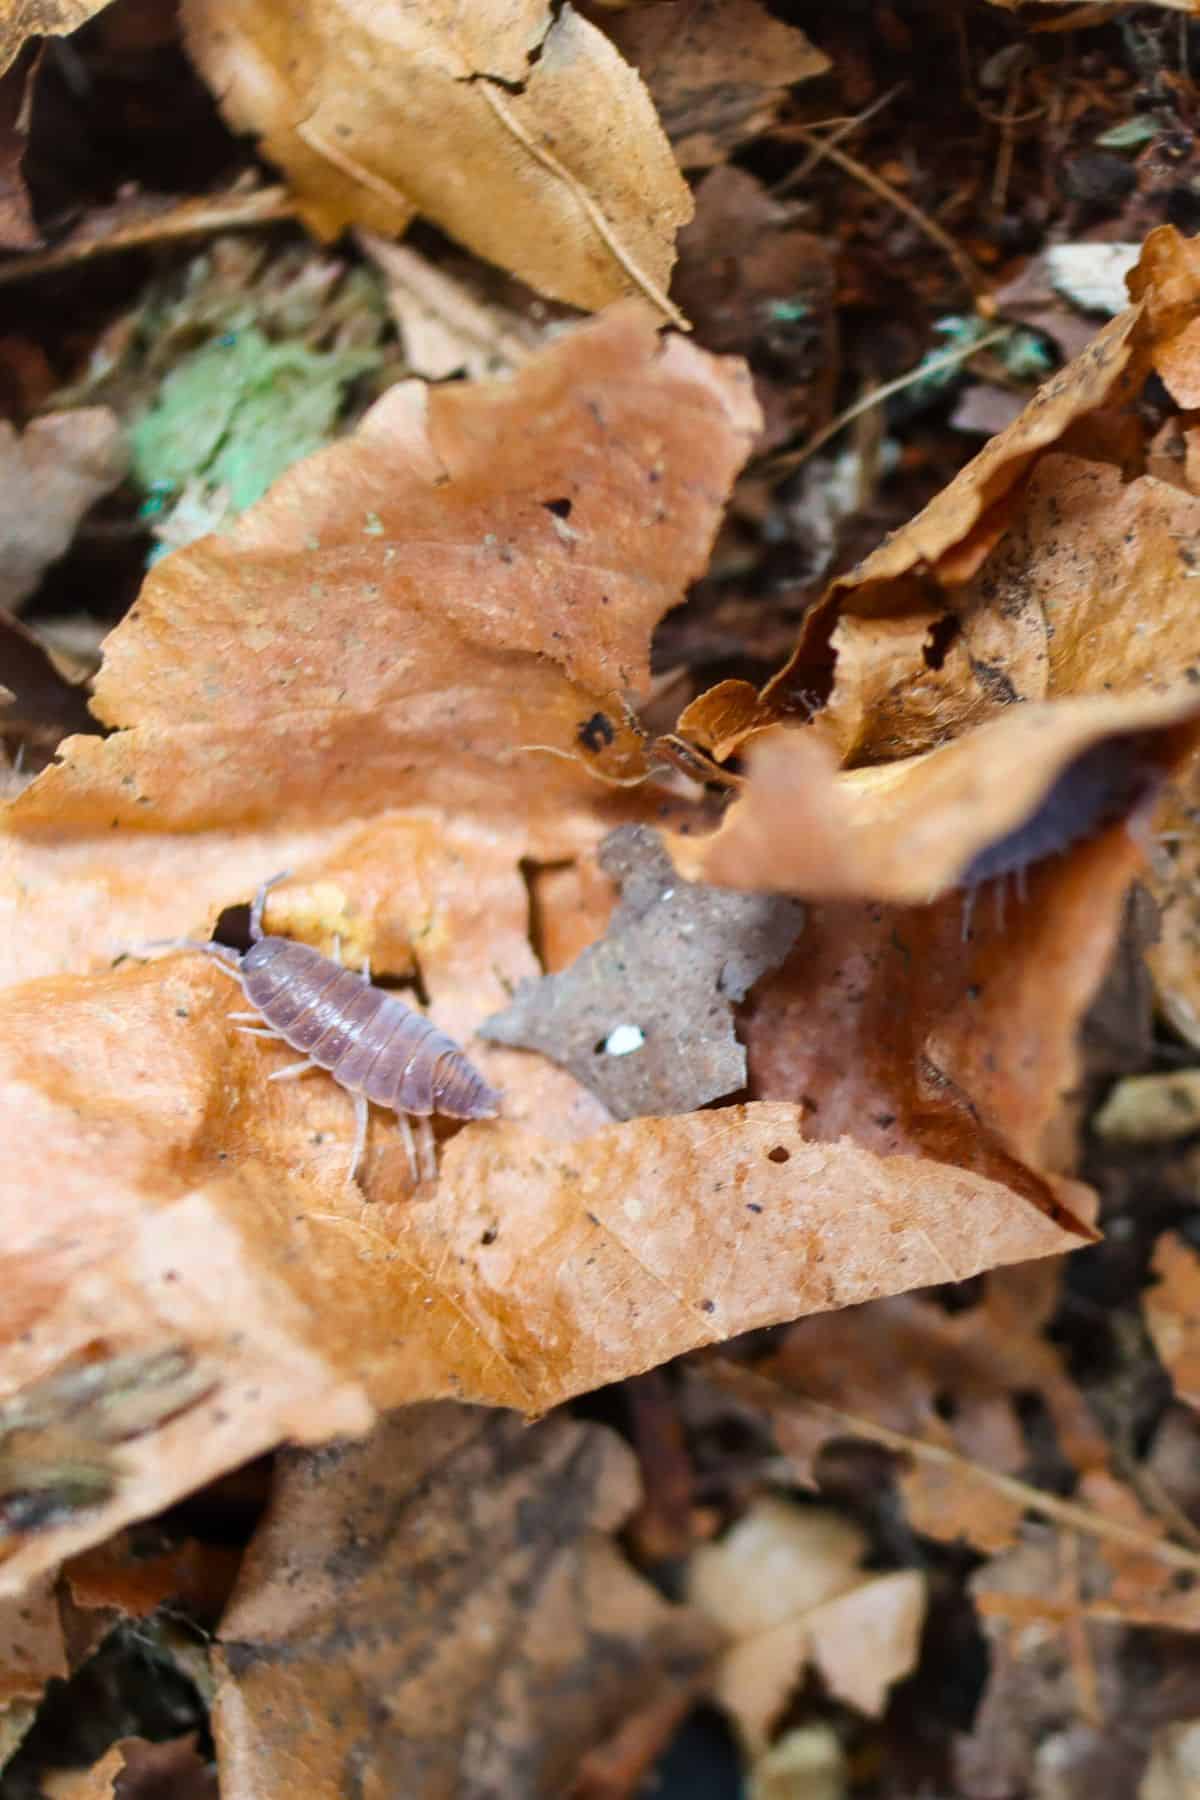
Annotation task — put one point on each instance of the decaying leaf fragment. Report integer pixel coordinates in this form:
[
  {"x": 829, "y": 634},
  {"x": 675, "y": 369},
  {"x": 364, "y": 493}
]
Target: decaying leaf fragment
[
  {"x": 516, "y": 128},
  {"x": 448, "y": 1593},
  {"x": 786, "y": 1582},
  {"x": 718, "y": 70},
  {"x": 644, "y": 1017},
  {"x": 50, "y": 474}
]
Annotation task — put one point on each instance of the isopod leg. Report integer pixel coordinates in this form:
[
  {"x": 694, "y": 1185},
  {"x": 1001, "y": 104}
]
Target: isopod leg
[
  {"x": 259, "y": 1031},
  {"x": 293, "y": 1070},
  {"x": 406, "y": 1132},
  {"x": 360, "y": 1135},
  {"x": 337, "y": 948},
  {"x": 366, "y": 972},
  {"x": 427, "y": 1149}
]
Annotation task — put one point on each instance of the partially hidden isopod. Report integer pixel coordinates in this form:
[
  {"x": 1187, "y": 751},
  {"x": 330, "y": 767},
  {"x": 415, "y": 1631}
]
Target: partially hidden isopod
[{"x": 369, "y": 1041}]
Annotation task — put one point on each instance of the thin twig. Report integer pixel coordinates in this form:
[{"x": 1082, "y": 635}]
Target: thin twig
[
  {"x": 191, "y": 218},
  {"x": 818, "y": 150},
  {"x": 760, "y": 1390},
  {"x": 973, "y": 277},
  {"x": 792, "y": 459},
  {"x": 600, "y": 224}
]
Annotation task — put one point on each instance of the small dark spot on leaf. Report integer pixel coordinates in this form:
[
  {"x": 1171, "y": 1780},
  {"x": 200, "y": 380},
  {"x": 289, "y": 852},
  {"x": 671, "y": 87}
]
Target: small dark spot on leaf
[
  {"x": 596, "y": 732},
  {"x": 753, "y": 1206},
  {"x": 779, "y": 1154},
  {"x": 490, "y": 1235},
  {"x": 560, "y": 508},
  {"x": 708, "y": 1306}
]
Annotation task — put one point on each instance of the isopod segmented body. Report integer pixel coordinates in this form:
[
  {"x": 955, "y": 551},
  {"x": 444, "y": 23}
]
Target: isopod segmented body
[{"x": 370, "y": 1042}]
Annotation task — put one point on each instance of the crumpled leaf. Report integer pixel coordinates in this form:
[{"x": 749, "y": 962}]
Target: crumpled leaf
[
  {"x": 198, "y": 1217},
  {"x": 518, "y": 129},
  {"x": 448, "y": 1594},
  {"x": 50, "y": 474},
  {"x": 644, "y": 1018},
  {"x": 786, "y": 1583},
  {"x": 25, "y": 19},
  {"x": 912, "y": 830},
  {"x": 718, "y": 70},
  {"x": 876, "y": 621},
  {"x": 1173, "y": 878},
  {"x": 1172, "y": 1309},
  {"x": 473, "y": 520}
]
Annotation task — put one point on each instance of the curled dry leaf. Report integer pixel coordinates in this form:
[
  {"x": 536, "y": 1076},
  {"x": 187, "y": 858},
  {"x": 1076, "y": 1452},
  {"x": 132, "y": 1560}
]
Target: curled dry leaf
[
  {"x": 1028, "y": 784},
  {"x": 1172, "y": 1309},
  {"x": 518, "y": 129},
  {"x": 25, "y": 19},
  {"x": 786, "y": 1584},
  {"x": 32, "y": 1651},
  {"x": 40, "y": 705},
  {"x": 479, "y": 1633},
  {"x": 644, "y": 1018},
  {"x": 1031, "y": 576},
  {"x": 718, "y": 70},
  {"x": 50, "y": 474},
  {"x": 1173, "y": 879}
]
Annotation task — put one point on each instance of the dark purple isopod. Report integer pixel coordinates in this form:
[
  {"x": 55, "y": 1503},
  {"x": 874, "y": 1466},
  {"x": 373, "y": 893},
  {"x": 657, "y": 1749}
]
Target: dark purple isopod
[
  {"x": 1100, "y": 786},
  {"x": 369, "y": 1041}
]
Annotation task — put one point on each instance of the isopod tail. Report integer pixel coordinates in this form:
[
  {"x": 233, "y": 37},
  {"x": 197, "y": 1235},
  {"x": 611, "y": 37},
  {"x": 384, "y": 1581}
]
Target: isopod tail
[{"x": 460, "y": 1091}]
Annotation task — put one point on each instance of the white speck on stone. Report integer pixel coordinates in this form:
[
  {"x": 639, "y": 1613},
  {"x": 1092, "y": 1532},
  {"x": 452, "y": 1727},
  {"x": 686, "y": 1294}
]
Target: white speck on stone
[
  {"x": 667, "y": 894},
  {"x": 624, "y": 1038}
]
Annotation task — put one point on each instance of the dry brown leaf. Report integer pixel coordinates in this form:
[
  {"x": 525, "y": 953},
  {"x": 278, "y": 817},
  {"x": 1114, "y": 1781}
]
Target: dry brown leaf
[
  {"x": 787, "y": 1586},
  {"x": 1023, "y": 786},
  {"x": 445, "y": 328},
  {"x": 883, "y": 611},
  {"x": 516, "y": 543},
  {"x": 446, "y": 1601},
  {"x": 1172, "y": 1309},
  {"x": 50, "y": 474},
  {"x": 194, "y": 1217},
  {"x": 25, "y": 19},
  {"x": 644, "y": 1018},
  {"x": 516, "y": 128},
  {"x": 718, "y": 70}
]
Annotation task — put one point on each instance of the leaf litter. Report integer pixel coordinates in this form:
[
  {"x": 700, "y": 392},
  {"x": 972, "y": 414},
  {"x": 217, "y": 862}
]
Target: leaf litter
[{"x": 417, "y": 673}]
